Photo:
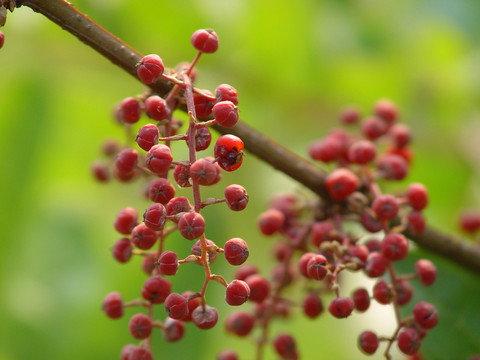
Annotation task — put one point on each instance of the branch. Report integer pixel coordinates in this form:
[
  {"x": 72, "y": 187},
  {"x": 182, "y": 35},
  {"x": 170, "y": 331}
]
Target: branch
[{"x": 303, "y": 171}]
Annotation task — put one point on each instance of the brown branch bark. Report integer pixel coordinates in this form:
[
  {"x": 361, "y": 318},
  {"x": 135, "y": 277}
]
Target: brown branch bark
[{"x": 303, "y": 171}]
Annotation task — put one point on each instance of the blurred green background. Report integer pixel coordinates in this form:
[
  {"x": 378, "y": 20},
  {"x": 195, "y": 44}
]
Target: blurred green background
[{"x": 295, "y": 65}]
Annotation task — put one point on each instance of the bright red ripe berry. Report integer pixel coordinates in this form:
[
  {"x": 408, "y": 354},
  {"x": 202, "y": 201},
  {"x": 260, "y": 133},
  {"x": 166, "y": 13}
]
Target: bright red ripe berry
[
  {"x": 382, "y": 292},
  {"x": 373, "y": 128},
  {"x": 203, "y": 105},
  {"x": 341, "y": 307},
  {"x": 393, "y": 167},
  {"x": 158, "y": 159},
  {"x": 122, "y": 250},
  {"x": 126, "y": 220},
  {"x": 386, "y": 110},
  {"x": 156, "y": 289},
  {"x": 176, "y": 306},
  {"x": 368, "y": 342},
  {"x": 178, "y": 205},
  {"x": 205, "y": 318},
  {"x": 285, "y": 346},
  {"x": 140, "y": 353},
  {"x": 155, "y": 217},
  {"x": 173, "y": 330},
  {"x": 156, "y": 108},
  {"x": 361, "y": 299},
  {"x": 240, "y": 323},
  {"x": 150, "y": 68},
  {"x": 316, "y": 267},
  {"x": 326, "y": 150},
  {"x": 113, "y": 305},
  {"x": 161, "y": 191},
  {"x": 225, "y": 92},
  {"x": 245, "y": 271},
  {"x": 470, "y": 221},
  {"x": 271, "y": 221},
  {"x": 425, "y": 314},
  {"x": 197, "y": 250},
  {"x": 259, "y": 288},
  {"x": 143, "y": 237},
  {"x": 236, "y": 251},
  {"x": 312, "y": 305},
  {"x": 400, "y": 135},
  {"x": 236, "y": 197},
  {"x": 225, "y": 113},
  {"x": 227, "y": 355},
  {"x": 426, "y": 271},
  {"x": 408, "y": 341},
  {"x": 205, "y": 40},
  {"x": 168, "y": 263},
  {"x": 341, "y": 183},
  {"x": 415, "y": 222},
  {"x": 130, "y": 110},
  {"x": 394, "y": 247},
  {"x": 191, "y": 225},
  {"x": 362, "y": 152},
  {"x": 417, "y": 196},
  {"x": 237, "y": 293},
  {"x": 140, "y": 326},
  {"x": 181, "y": 174},
  {"x": 228, "y": 152},
  {"x": 385, "y": 207},
  {"x": 376, "y": 265},
  {"x": 203, "y": 172},
  {"x": 147, "y": 136},
  {"x": 203, "y": 137}
]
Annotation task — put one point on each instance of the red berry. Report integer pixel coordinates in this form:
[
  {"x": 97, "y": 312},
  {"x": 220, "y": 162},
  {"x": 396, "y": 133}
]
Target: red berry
[
  {"x": 130, "y": 110},
  {"x": 150, "y": 68},
  {"x": 360, "y": 252},
  {"x": 376, "y": 265},
  {"x": 385, "y": 207},
  {"x": 285, "y": 346},
  {"x": 417, "y": 196},
  {"x": 401, "y": 135},
  {"x": 158, "y": 159},
  {"x": 113, "y": 305},
  {"x": 140, "y": 327},
  {"x": 404, "y": 292},
  {"x": 393, "y": 167},
  {"x": 426, "y": 271},
  {"x": 2, "y": 39},
  {"x": 362, "y": 152},
  {"x": 240, "y": 323},
  {"x": 205, "y": 318},
  {"x": 205, "y": 40},
  {"x": 271, "y": 221},
  {"x": 470, "y": 221},
  {"x": 193, "y": 303},
  {"x": 370, "y": 223},
  {"x": 341, "y": 307},
  {"x": 386, "y": 110},
  {"x": 361, "y": 299},
  {"x": 415, "y": 222},
  {"x": 197, "y": 250},
  {"x": 147, "y": 136},
  {"x": 237, "y": 293},
  {"x": 373, "y": 245},
  {"x": 168, "y": 263},
  {"x": 148, "y": 262},
  {"x": 349, "y": 115},
  {"x": 326, "y": 150},
  {"x": 341, "y": 183},
  {"x": 126, "y": 220},
  {"x": 225, "y": 92},
  {"x": 181, "y": 174},
  {"x": 394, "y": 247},
  {"x": 122, "y": 250},
  {"x": 156, "y": 108},
  {"x": 126, "y": 162},
  {"x": 203, "y": 105},
  {"x": 176, "y": 306},
  {"x": 303, "y": 262},
  {"x": 373, "y": 128},
  {"x": 191, "y": 225},
  {"x": 259, "y": 288},
  {"x": 425, "y": 314},
  {"x": 203, "y": 172},
  {"x": 155, "y": 217},
  {"x": 227, "y": 355},
  {"x": 382, "y": 292},
  {"x": 368, "y": 342},
  {"x": 228, "y": 152},
  {"x": 316, "y": 267},
  {"x": 126, "y": 351},
  {"x": 203, "y": 137},
  {"x": 161, "y": 191},
  {"x": 143, "y": 237},
  {"x": 245, "y": 271},
  {"x": 173, "y": 330},
  {"x": 312, "y": 305},
  {"x": 236, "y": 197},
  {"x": 236, "y": 251},
  {"x": 225, "y": 113},
  {"x": 139, "y": 353},
  {"x": 178, "y": 205},
  {"x": 100, "y": 171},
  {"x": 156, "y": 289},
  {"x": 321, "y": 232},
  {"x": 408, "y": 341}
]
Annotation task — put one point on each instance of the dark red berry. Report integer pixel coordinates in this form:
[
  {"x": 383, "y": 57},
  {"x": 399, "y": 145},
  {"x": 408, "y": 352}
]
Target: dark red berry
[
  {"x": 205, "y": 318},
  {"x": 326, "y": 150},
  {"x": 425, "y": 314},
  {"x": 285, "y": 346},
  {"x": 225, "y": 113},
  {"x": 205, "y": 40},
  {"x": 361, "y": 299},
  {"x": 191, "y": 225},
  {"x": 228, "y": 152},
  {"x": 245, "y": 271},
  {"x": 178, "y": 205},
  {"x": 203, "y": 104},
  {"x": 130, "y": 110},
  {"x": 373, "y": 245},
  {"x": 370, "y": 223},
  {"x": 417, "y": 196},
  {"x": 173, "y": 330},
  {"x": 349, "y": 115},
  {"x": 176, "y": 306},
  {"x": 156, "y": 108},
  {"x": 341, "y": 183},
  {"x": 203, "y": 172},
  {"x": 193, "y": 303},
  {"x": 227, "y": 355},
  {"x": 181, "y": 174},
  {"x": 161, "y": 191},
  {"x": 271, "y": 221},
  {"x": 147, "y": 136},
  {"x": 303, "y": 262},
  {"x": 382, "y": 292},
  {"x": 100, "y": 171},
  {"x": 155, "y": 217},
  {"x": 237, "y": 293},
  {"x": 126, "y": 220},
  {"x": 401, "y": 135},
  {"x": 416, "y": 222},
  {"x": 240, "y": 323},
  {"x": 259, "y": 288},
  {"x": 156, "y": 289},
  {"x": 386, "y": 110},
  {"x": 113, "y": 305},
  {"x": 140, "y": 326},
  {"x": 158, "y": 159},
  {"x": 197, "y": 250},
  {"x": 394, "y": 247},
  {"x": 150, "y": 68},
  {"x": 385, "y": 207},
  {"x": 404, "y": 292},
  {"x": 368, "y": 342},
  {"x": 203, "y": 137},
  {"x": 376, "y": 265},
  {"x": 236, "y": 251},
  {"x": 393, "y": 167},
  {"x": 143, "y": 237},
  {"x": 312, "y": 305},
  {"x": 362, "y": 152},
  {"x": 225, "y": 92},
  {"x": 321, "y": 232},
  {"x": 408, "y": 341},
  {"x": 168, "y": 263},
  {"x": 341, "y": 307},
  {"x": 236, "y": 197},
  {"x": 470, "y": 221},
  {"x": 316, "y": 267},
  {"x": 360, "y": 252},
  {"x": 122, "y": 250},
  {"x": 140, "y": 353},
  {"x": 148, "y": 262},
  {"x": 374, "y": 127},
  {"x": 126, "y": 161},
  {"x": 426, "y": 271}
]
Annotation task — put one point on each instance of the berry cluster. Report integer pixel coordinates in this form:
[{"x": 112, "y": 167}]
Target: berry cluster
[
  {"x": 359, "y": 229},
  {"x": 167, "y": 211}
]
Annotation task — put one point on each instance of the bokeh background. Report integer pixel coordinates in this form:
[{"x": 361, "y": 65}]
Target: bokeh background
[{"x": 295, "y": 65}]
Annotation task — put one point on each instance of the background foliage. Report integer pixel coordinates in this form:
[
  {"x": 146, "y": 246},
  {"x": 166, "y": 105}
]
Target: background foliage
[{"x": 295, "y": 67}]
